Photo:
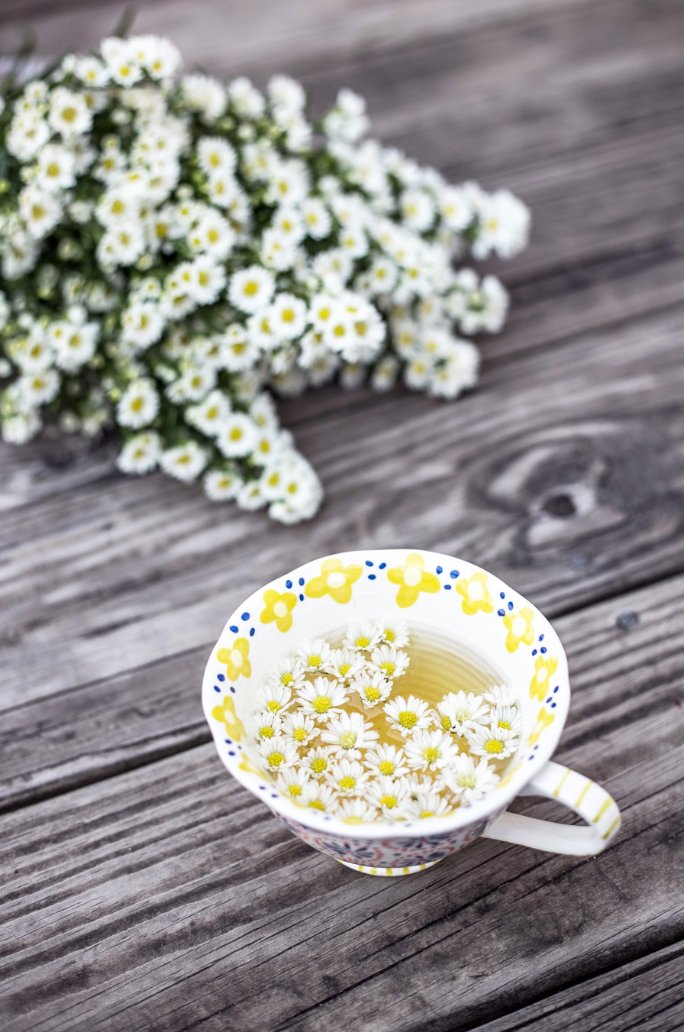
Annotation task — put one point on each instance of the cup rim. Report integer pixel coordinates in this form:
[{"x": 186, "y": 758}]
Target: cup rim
[{"x": 485, "y": 809}]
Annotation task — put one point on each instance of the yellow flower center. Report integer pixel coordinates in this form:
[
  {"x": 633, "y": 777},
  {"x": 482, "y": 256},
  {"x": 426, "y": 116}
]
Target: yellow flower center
[
  {"x": 319, "y": 765},
  {"x": 286, "y": 678},
  {"x": 362, "y": 642},
  {"x": 273, "y": 705},
  {"x": 372, "y": 693},
  {"x": 294, "y": 790},
  {"x": 275, "y": 758},
  {"x": 348, "y": 739},
  {"x": 505, "y": 725},
  {"x": 250, "y": 288},
  {"x": 316, "y": 804},
  {"x": 347, "y": 783},
  {"x": 388, "y": 801},
  {"x": 494, "y": 746},
  {"x": 266, "y": 731},
  {"x": 426, "y": 813},
  {"x": 446, "y": 723},
  {"x": 314, "y": 660},
  {"x": 299, "y": 734},
  {"x": 431, "y": 754},
  {"x": 408, "y": 719},
  {"x": 386, "y": 767},
  {"x": 388, "y": 668}
]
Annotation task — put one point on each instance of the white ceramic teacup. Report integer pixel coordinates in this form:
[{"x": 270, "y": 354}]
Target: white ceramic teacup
[{"x": 451, "y": 601}]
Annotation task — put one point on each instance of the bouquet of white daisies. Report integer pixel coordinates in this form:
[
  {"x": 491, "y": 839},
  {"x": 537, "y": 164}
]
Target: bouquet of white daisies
[{"x": 173, "y": 250}]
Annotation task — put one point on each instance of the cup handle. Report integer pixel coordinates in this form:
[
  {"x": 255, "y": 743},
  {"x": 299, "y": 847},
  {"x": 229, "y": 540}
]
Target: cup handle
[{"x": 593, "y": 804}]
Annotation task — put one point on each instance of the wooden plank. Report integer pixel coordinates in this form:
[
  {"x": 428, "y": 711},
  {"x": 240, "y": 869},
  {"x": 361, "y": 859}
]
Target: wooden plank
[
  {"x": 125, "y": 572},
  {"x": 644, "y": 994},
  {"x": 51, "y": 745},
  {"x": 167, "y": 897}
]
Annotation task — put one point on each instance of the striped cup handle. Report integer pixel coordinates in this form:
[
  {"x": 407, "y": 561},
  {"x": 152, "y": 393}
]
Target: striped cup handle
[{"x": 585, "y": 797}]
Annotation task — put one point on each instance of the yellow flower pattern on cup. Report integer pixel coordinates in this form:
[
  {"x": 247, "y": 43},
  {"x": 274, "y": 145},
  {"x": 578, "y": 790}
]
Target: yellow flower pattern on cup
[
  {"x": 475, "y": 594},
  {"x": 412, "y": 578},
  {"x": 236, "y": 659},
  {"x": 519, "y": 627},
  {"x": 544, "y": 719},
  {"x": 335, "y": 579},
  {"x": 544, "y": 669},
  {"x": 226, "y": 715},
  {"x": 278, "y": 608}
]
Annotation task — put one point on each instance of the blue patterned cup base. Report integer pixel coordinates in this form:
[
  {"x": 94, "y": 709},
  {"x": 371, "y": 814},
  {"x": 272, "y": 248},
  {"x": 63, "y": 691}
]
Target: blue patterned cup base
[{"x": 387, "y": 872}]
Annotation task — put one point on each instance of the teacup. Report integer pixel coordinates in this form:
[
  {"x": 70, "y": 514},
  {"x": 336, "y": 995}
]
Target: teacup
[{"x": 449, "y": 600}]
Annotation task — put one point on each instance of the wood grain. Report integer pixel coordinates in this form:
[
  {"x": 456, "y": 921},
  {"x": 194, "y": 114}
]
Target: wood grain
[
  {"x": 51, "y": 745},
  {"x": 142, "y": 888},
  {"x": 173, "y": 873},
  {"x": 594, "y": 425},
  {"x": 643, "y": 994}
]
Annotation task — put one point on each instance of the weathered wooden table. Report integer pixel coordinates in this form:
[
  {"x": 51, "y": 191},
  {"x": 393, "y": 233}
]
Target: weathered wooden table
[{"x": 141, "y": 888}]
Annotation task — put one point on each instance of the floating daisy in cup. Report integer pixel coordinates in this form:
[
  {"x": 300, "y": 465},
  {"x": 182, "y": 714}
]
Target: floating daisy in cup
[{"x": 361, "y": 727}]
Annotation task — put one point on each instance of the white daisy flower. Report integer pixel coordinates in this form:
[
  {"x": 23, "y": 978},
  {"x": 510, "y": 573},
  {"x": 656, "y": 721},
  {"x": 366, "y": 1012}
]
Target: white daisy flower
[
  {"x": 390, "y": 796},
  {"x": 507, "y": 718},
  {"x": 20, "y": 428},
  {"x": 275, "y": 697},
  {"x": 318, "y": 761},
  {"x": 289, "y": 673},
  {"x": 349, "y": 734},
  {"x": 386, "y": 760},
  {"x": 293, "y": 782},
  {"x": 314, "y": 655},
  {"x": 356, "y": 811},
  {"x": 316, "y": 217},
  {"x": 76, "y": 345},
  {"x": 210, "y": 415},
  {"x": 317, "y": 796},
  {"x": 427, "y": 804},
  {"x": 493, "y": 742},
  {"x": 222, "y": 485},
  {"x": 362, "y": 636},
  {"x": 205, "y": 95},
  {"x": 407, "y": 715},
  {"x": 394, "y": 633},
  {"x": 288, "y": 316},
  {"x": 430, "y": 750},
  {"x": 38, "y": 388},
  {"x": 344, "y": 664},
  {"x": 236, "y": 435},
  {"x": 251, "y": 289},
  {"x": 40, "y": 210},
  {"x": 278, "y": 752},
  {"x": 56, "y": 167},
  {"x": 139, "y": 404},
  {"x": 215, "y": 155},
  {"x": 69, "y": 113},
  {"x": 390, "y": 661},
  {"x": 460, "y": 712},
  {"x": 184, "y": 462},
  {"x": 347, "y": 777},
  {"x": 469, "y": 779},
  {"x": 371, "y": 686},
  {"x": 267, "y": 725},
  {"x": 501, "y": 695},
  {"x": 299, "y": 727},
  {"x": 322, "y": 699},
  {"x": 140, "y": 454}
]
